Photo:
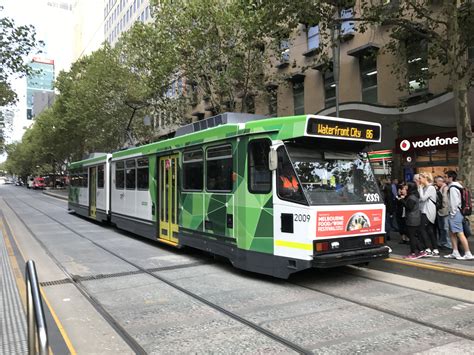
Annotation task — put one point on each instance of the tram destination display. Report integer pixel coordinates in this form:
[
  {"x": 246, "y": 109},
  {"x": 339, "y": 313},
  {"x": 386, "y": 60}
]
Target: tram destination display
[{"x": 344, "y": 129}]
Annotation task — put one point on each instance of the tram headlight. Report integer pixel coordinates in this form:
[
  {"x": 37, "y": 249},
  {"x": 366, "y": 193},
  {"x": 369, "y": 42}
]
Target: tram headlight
[
  {"x": 335, "y": 245},
  {"x": 367, "y": 241}
]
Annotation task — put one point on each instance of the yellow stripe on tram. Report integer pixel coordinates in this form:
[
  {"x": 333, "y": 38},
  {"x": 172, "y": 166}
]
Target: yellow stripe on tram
[
  {"x": 295, "y": 245},
  {"x": 23, "y": 293}
]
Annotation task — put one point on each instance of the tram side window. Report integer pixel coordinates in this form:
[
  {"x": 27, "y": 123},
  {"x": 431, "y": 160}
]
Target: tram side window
[
  {"x": 289, "y": 187},
  {"x": 142, "y": 174},
  {"x": 119, "y": 175},
  {"x": 193, "y": 170},
  {"x": 219, "y": 168},
  {"x": 130, "y": 174},
  {"x": 100, "y": 177},
  {"x": 260, "y": 177},
  {"x": 84, "y": 177}
]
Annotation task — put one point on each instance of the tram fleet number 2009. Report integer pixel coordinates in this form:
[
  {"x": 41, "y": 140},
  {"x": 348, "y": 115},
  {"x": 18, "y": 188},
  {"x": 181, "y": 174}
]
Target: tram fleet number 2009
[{"x": 302, "y": 217}]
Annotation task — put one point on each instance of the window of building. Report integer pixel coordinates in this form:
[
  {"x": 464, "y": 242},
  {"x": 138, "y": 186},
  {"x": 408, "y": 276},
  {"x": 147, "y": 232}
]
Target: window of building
[
  {"x": 417, "y": 64},
  {"x": 284, "y": 50},
  {"x": 119, "y": 175},
  {"x": 329, "y": 88},
  {"x": 313, "y": 37},
  {"x": 347, "y": 26},
  {"x": 219, "y": 168},
  {"x": 298, "y": 98},
  {"x": 368, "y": 72},
  {"x": 260, "y": 177},
  {"x": 130, "y": 174},
  {"x": 142, "y": 173},
  {"x": 193, "y": 167},
  {"x": 100, "y": 177}
]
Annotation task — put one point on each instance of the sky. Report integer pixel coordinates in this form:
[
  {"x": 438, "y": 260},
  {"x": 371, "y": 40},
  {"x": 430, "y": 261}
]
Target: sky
[{"x": 55, "y": 27}]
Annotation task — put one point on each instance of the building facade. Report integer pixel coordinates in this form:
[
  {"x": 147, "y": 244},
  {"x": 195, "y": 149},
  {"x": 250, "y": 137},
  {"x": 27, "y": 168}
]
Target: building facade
[
  {"x": 120, "y": 15},
  {"x": 41, "y": 82},
  {"x": 423, "y": 111}
]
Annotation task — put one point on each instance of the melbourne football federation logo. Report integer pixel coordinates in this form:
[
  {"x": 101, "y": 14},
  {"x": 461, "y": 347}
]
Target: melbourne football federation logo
[{"x": 405, "y": 145}]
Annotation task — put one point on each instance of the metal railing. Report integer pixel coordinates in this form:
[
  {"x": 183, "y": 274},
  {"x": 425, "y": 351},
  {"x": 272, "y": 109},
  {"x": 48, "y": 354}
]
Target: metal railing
[{"x": 37, "y": 331}]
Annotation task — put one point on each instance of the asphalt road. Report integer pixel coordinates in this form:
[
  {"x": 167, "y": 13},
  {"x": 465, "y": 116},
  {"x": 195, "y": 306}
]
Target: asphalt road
[{"x": 112, "y": 292}]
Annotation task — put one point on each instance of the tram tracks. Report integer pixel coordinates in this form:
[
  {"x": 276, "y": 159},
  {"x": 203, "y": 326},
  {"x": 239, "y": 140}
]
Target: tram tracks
[
  {"x": 257, "y": 327},
  {"x": 112, "y": 321}
]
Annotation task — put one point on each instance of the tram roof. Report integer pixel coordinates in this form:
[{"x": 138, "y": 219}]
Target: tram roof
[
  {"x": 97, "y": 158},
  {"x": 281, "y": 127}
]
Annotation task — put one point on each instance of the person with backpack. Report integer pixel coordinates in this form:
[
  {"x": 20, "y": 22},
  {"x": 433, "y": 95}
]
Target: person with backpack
[
  {"x": 444, "y": 239},
  {"x": 458, "y": 208}
]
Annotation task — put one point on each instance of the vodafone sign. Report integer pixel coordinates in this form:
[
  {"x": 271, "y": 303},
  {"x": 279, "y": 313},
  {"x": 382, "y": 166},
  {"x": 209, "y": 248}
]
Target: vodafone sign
[{"x": 427, "y": 142}]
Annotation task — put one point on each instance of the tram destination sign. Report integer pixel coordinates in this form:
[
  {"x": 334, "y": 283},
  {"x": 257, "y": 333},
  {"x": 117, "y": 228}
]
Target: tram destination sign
[{"x": 344, "y": 129}]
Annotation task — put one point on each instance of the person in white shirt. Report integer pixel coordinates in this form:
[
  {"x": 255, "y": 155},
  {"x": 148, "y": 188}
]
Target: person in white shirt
[
  {"x": 428, "y": 213},
  {"x": 456, "y": 218}
]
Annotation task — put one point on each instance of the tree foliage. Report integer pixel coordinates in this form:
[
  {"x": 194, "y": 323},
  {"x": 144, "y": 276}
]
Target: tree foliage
[{"x": 16, "y": 43}]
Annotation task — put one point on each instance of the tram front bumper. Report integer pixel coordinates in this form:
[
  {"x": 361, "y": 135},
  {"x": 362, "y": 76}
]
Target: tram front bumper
[{"x": 350, "y": 257}]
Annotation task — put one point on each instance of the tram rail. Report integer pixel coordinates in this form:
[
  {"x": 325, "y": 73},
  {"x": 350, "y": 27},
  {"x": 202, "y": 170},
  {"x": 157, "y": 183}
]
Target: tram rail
[{"x": 151, "y": 272}]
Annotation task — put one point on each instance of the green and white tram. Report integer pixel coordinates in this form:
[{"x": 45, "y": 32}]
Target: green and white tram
[{"x": 274, "y": 196}]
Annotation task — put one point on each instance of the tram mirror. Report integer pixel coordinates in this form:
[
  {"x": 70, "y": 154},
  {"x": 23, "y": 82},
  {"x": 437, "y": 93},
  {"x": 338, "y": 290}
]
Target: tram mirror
[{"x": 272, "y": 159}]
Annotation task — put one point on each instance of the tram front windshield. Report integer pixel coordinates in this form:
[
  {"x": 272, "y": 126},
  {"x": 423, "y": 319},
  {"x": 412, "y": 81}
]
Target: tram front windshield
[{"x": 334, "y": 177}]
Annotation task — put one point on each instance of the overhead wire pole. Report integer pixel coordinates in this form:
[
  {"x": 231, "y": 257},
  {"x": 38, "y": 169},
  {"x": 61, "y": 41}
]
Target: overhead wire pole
[
  {"x": 336, "y": 53},
  {"x": 134, "y": 106}
]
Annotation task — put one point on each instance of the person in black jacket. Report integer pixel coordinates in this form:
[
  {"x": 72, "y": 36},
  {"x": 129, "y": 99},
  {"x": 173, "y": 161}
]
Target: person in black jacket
[
  {"x": 389, "y": 208},
  {"x": 413, "y": 221}
]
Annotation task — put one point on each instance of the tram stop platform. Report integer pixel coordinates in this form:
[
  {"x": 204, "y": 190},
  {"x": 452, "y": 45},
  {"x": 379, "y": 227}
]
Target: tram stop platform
[{"x": 452, "y": 272}]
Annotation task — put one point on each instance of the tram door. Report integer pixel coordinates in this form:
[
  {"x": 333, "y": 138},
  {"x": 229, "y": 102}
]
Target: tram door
[
  {"x": 92, "y": 191},
  {"x": 168, "y": 197}
]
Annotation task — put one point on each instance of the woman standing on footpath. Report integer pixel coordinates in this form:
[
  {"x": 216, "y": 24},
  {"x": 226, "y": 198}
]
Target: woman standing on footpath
[
  {"x": 428, "y": 213},
  {"x": 411, "y": 203}
]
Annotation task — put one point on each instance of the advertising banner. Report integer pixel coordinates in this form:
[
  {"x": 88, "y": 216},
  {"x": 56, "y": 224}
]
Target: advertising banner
[{"x": 347, "y": 223}]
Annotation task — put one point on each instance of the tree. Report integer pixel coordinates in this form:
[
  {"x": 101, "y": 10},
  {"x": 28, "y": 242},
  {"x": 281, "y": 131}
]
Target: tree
[
  {"x": 447, "y": 28},
  {"x": 215, "y": 48},
  {"x": 16, "y": 43}
]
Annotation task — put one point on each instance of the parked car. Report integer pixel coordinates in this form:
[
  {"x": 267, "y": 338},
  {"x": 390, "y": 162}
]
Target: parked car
[{"x": 38, "y": 183}]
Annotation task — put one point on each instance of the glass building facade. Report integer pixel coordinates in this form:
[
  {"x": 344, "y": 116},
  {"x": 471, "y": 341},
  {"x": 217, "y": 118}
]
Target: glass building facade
[{"x": 41, "y": 81}]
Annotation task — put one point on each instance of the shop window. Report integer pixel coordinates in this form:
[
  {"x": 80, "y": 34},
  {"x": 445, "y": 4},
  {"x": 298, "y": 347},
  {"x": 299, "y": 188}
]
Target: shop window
[
  {"x": 259, "y": 176},
  {"x": 417, "y": 64},
  {"x": 193, "y": 166},
  {"x": 119, "y": 175},
  {"x": 329, "y": 88},
  {"x": 298, "y": 98},
  {"x": 219, "y": 168},
  {"x": 142, "y": 173},
  {"x": 130, "y": 174},
  {"x": 368, "y": 72}
]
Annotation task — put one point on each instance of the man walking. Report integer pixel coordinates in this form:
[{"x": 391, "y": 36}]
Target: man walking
[{"x": 456, "y": 218}]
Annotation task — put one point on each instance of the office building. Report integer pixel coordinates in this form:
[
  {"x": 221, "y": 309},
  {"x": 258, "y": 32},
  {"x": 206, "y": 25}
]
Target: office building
[
  {"x": 119, "y": 16},
  {"x": 38, "y": 83}
]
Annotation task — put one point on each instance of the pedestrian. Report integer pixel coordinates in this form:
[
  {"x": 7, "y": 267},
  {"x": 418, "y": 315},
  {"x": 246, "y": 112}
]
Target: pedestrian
[
  {"x": 428, "y": 213},
  {"x": 401, "y": 214},
  {"x": 413, "y": 220},
  {"x": 389, "y": 208},
  {"x": 444, "y": 239},
  {"x": 456, "y": 218}
]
